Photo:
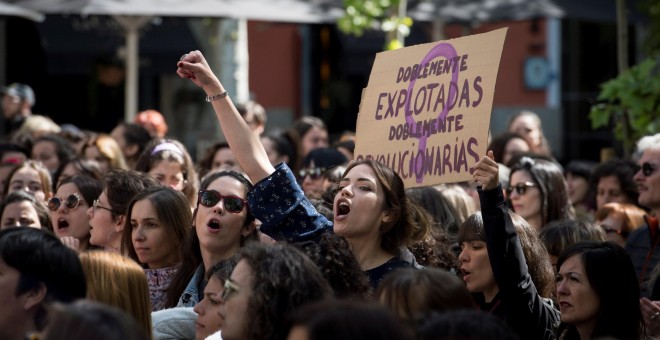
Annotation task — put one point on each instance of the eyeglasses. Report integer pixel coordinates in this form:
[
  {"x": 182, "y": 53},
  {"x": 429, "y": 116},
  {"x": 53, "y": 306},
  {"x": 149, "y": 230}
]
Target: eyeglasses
[
  {"x": 210, "y": 198},
  {"x": 313, "y": 173},
  {"x": 71, "y": 202},
  {"x": 648, "y": 169},
  {"x": 96, "y": 206},
  {"x": 230, "y": 289},
  {"x": 520, "y": 188},
  {"x": 609, "y": 230}
]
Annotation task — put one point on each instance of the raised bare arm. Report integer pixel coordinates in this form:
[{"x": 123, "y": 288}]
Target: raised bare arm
[{"x": 245, "y": 145}]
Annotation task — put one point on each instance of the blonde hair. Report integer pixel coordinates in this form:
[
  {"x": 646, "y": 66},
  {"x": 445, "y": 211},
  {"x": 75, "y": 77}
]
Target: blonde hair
[
  {"x": 109, "y": 149},
  {"x": 118, "y": 281}
]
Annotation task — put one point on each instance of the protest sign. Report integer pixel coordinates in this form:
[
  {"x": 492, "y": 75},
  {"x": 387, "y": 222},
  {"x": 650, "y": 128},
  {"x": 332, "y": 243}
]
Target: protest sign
[{"x": 426, "y": 109}]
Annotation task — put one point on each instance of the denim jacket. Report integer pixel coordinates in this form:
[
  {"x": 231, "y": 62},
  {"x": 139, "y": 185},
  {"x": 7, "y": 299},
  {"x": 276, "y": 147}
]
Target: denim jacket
[{"x": 194, "y": 290}]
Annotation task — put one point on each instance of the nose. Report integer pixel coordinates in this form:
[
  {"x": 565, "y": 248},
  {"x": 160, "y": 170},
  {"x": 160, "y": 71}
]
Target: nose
[
  {"x": 463, "y": 256},
  {"x": 561, "y": 288},
  {"x": 138, "y": 234},
  {"x": 198, "y": 308},
  {"x": 638, "y": 176},
  {"x": 219, "y": 207},
  {"x": 346, "y": 191},
  {"x": 90, "y": 212}
]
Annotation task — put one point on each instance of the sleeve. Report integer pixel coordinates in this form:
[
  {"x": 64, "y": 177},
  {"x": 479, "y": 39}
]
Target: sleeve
[
  {"x": 528, "y": 313},
  {"x": 284, "y": 211},
  {"x": 173, "y": 323}
]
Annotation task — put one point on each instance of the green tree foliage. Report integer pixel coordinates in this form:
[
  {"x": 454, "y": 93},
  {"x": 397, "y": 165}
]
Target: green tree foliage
[
  {"x": 631, "y": 103},
  {"x": 361, "y": 15}
]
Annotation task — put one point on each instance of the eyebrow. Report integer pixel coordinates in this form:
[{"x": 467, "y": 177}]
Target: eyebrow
[{"x": 361, "y": 179}]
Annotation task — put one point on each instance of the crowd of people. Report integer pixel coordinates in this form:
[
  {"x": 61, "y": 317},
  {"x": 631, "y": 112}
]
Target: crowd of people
[{"x": 278, "y": 234}]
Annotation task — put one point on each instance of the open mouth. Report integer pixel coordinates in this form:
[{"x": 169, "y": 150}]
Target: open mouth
[
  {"x": 62, "y": 224},
  {"x": 343, "y": 208},
  {"x": 214, "y": 224}
]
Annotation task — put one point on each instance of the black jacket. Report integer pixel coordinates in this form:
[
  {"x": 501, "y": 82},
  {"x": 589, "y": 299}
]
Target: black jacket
[{"x": 518, "y": 302}]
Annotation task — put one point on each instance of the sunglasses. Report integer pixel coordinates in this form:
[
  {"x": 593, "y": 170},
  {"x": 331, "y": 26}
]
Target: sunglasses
[
  {"x": 648, "y": 169},
  {"x": 313, "y": 173},
  {"x": 230, "y": 289},
  {"x": 210, "y": 198},
  {"x": 71, "y": 202},
  {"x": 520, "y": 188}
]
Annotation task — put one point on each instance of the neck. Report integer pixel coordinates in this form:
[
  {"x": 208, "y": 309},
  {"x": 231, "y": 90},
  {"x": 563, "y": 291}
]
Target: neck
[
  {"x": 368, "y": 252},
  {"x": 114, "y": 242},
  {"x": 490, "y": 293},
  {"x": 585, "y": 329},
  {"x": 209, "y": 258}
]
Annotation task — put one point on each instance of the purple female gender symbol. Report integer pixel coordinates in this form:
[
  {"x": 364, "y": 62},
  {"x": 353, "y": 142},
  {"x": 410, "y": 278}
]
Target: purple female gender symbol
[{"x": 440, "y": 50}]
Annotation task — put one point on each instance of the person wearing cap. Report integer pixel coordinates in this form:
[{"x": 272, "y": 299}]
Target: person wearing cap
[{"x": 17, "y": 102}]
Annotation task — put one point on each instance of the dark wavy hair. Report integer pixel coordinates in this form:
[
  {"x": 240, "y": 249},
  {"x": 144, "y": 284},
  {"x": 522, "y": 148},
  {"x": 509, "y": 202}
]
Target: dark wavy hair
[
  {"x": 410, "y": 222},
  {"x": 191, "y": 255},
  {"x": 498, "y": 145},
  {"x": 414, "y": 294},
  {"x": 558, "y": 235},
  {"x": 549, "y": 178},
  {"x": 333, "y": 256},
  {"x": 122, "y": 185},
  {"x": 283, "y": 280},
  {"x": 436, "y": 250},
  {"x": 624, "y": 171},
  {"x": 536, "y": 256},
  {"x": 619, "y": 314},
  {"x": 330, "y": 320}
]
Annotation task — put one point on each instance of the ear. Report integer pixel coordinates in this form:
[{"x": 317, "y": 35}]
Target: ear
[
  {"x": 386, "y": 217},
  {"x": 248, "y": 229},
  {"x": 119, "y": 226},
  {"x": 34, "y": 297}
]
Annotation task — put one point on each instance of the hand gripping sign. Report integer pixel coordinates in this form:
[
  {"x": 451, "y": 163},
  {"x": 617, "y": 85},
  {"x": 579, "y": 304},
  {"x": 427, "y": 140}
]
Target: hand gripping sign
[{"x": 426, "y": 110}]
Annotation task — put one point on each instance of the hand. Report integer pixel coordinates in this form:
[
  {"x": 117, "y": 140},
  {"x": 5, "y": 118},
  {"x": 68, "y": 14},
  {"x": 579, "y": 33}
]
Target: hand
[
  {"x": 651, "y": 314},
  {"x": 71, "y": 242},
  {"x": 487, "y": 172},
  {"x": 193, "y": 66}
]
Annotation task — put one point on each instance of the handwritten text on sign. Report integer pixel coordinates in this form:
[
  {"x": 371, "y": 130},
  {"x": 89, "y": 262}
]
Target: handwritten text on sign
[{"x": 428, "y": 120}]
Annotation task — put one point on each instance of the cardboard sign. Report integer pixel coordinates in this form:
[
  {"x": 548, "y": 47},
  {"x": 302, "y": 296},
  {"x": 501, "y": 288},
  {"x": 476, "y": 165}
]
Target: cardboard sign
[{"x": 426, "y": 110}]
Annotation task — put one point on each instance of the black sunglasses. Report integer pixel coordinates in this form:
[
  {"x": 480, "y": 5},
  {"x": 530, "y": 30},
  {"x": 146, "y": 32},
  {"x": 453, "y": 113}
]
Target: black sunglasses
[
  {"x": 648, "y": 169},
  {"x": 313, "y": 173},
  {"x": 71, "y": 202},
  {"x": 520, "y": 188},
  {"x": 210, "y": 198}
]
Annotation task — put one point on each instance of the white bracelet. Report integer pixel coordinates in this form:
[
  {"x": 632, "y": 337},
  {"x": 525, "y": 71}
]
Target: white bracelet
[{"x": 217, "y": 96}]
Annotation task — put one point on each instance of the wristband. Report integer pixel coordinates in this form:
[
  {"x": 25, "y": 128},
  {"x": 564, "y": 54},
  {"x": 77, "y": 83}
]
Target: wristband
[{"x": 217, "y": 96}]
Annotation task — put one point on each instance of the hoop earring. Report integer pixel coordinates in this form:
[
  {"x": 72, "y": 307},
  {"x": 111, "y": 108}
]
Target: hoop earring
[{"x": 109, "y": 245}]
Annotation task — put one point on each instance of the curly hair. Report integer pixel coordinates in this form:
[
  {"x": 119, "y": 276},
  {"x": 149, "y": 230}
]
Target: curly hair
[
  {"x": 283, "y": 280},
  {"x": 333, "y": 256}
]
